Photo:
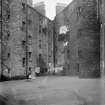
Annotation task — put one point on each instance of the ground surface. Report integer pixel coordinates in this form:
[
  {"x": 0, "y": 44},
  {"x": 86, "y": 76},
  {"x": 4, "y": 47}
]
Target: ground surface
[{"x": 54, "y": 91}]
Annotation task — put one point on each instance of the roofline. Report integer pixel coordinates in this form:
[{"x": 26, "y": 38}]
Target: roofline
[
  {"x": 64, "y": 8},
  {"x": 38, "y": 12}
]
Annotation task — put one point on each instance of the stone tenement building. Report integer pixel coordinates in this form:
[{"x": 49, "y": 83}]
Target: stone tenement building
[
  {"x": 77, "y": 33},
  {"x": 25, "y": 34},
  {"x": 102, "y": 44}
]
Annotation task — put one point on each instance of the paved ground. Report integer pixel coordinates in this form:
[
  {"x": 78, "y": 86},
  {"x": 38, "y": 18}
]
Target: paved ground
[{"x": 54, "y": 91}]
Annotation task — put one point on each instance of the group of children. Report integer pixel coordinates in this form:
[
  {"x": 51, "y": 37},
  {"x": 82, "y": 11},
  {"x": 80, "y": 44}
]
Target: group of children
[{"x": 34, "y": 74}]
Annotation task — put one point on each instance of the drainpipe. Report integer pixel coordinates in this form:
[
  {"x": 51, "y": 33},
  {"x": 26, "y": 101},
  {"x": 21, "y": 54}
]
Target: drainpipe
[
  {"x": 26, "y": 40},
  {"x": 54, "y": 45},
  {"x": 1, "y": 42}
]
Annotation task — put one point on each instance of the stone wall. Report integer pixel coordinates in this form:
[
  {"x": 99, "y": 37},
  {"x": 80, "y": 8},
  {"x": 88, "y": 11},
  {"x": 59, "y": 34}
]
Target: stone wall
[
  {"x": 5, "y": 35},
  {"x": 24, "y": 22},
  {"x": 102, "y": 44},
  {"x": 82, "y": 53}
]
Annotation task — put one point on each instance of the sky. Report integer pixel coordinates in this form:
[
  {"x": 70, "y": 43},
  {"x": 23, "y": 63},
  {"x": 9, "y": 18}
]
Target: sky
[{"x": 50, "y": 6}]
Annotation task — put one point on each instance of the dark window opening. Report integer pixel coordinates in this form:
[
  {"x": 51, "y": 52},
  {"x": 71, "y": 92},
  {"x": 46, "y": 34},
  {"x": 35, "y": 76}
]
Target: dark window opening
[
  {"x": 30, "y": 54},
  {"x": 30, "y": 36},
  {"x": 8, "y": 16},
  {"x": 29, "y": 69},
  {"x": 23, "y": 43},
  {"x": 77, "y": 67},
  {"x": 23, "y": 62},
  {"x": 39, "y": 28},
  {"x": 23, "y": 22},
  {"x": 8, "y": 35},
  {"x": 9, "y": 70},
  {"x": 23, "y": 25},
  {"x": 79, "y": 10},
  {"x": 8, "y": 55},
  {"x": 40, "y": 44},
  {"x": 44, "y": 30},
  {"x": 23, "y": 6}
]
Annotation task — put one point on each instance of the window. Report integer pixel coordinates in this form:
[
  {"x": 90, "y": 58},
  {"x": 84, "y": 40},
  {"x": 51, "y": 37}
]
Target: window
[
  {"x": 23, "y": 22},
  {"x": 23, "y": 6},
  {"x": 77, "y": 67},
  {"x": 8, "y": 16},
  {"x": 23, "y": 25},
  {"x": 30, "y": 69},
  {"x": 23, "y": 43},
  {"x": 79, "y": 10},
  {"x": 8, "y": 55},
  {"x": 40, "y": 44},
  {"x": 30, "y": 54},
  {"x": 44, "y": 30},
  {"x": 8, "y": 35},
  {"x": 30, "y": 36},
  {"x": 23, "y": 62},
  {"x": 39, "y": 28}
]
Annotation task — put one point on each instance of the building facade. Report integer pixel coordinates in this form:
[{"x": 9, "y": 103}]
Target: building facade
[
  {"x": 25, "y": 36},
  {"x": 77, "y": 30},
  {"x": 102, "y": 44}
]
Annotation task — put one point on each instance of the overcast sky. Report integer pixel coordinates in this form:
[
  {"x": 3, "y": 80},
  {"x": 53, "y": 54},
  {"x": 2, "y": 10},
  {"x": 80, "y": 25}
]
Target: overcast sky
[{"x": 50, "y": 6}]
